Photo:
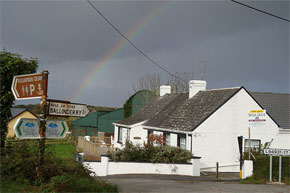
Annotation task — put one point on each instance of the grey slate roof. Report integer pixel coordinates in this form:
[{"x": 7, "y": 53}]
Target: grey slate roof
[
  {"x": 16, "y": 111},
  {"x": 177, "y": 112},
  {"x": 186, "y": 114},
  {"x": 149, "y": 110},
  {"x": 277, "y": 105}
]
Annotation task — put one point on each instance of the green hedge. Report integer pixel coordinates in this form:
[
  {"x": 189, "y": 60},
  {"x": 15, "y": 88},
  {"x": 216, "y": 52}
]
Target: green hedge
[
  {"x": 261, "y": 171},
  {"x": 152, "y": 154},
  {"x": 262, "y": 168}
]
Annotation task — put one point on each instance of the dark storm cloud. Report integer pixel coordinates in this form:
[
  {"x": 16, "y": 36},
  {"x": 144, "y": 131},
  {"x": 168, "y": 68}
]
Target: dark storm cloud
[{"x": 240, "y": 47}]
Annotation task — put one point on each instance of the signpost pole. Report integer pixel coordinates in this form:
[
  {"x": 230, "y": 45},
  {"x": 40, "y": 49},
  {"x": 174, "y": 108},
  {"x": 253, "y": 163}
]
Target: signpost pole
[{"x": 43, "y": 111}]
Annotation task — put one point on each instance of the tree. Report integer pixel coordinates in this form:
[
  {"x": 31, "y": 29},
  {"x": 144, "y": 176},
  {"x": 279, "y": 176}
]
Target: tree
[
  {"x": 11, "y": 65},
  {"x": 152, "y": 82}
]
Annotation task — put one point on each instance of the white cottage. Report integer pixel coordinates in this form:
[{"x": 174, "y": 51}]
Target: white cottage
[{"x": 208, "y": 122}]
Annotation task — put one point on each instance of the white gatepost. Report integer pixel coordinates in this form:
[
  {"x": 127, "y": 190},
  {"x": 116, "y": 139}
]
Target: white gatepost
[
  {"x": 104, "y": 165},
  {"x": 195, "y": 166},
  {"x": 247, "y": 169}
]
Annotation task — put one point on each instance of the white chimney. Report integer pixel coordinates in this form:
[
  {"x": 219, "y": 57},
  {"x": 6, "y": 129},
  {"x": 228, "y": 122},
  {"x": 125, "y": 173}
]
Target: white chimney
[
  {"x": 165, "y": 89},
  {"x": 195, "y": 86}
]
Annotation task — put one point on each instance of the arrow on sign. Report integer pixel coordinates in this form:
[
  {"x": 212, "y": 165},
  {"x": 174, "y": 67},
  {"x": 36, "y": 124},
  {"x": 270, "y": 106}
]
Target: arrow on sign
[
  {"x": 27, "y": 128},
  {"x": 67, "y": 109},
  {"x": 27, "y": 86},
  {"x": 56, "y": 129}
]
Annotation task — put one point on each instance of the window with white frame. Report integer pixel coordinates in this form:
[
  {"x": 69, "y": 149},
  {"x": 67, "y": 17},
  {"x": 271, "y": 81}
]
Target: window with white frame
[
  {"x": 120, "y": 135},
  {"x": 255, "y": 145},
  {"x": 181, "y": 141}
]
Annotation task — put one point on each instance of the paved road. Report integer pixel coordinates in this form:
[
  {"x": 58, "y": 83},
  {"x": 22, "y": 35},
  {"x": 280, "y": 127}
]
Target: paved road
[{"x": 186, "y": 184}]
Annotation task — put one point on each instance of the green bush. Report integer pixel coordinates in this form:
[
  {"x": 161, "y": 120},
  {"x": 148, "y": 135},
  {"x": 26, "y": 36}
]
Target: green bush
[
  {"x": 18, "y": 162},
  {"x": 152, "y": 154},
  {"x": 261, "y": 172},
  {"x": 262, "y": 167},
  {"x": 69, "y": 183},
  {"x": 18, "y": 172}
]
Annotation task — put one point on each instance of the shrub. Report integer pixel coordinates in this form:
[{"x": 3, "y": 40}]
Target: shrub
[
  {"x": 261, "y": 165},
  {"x": 18, "y": 165},
  {"x": 151, "y": 153},
  {"x": 262, "y": 169},
  {"x": 18, "y": 162},
  {"x": 169, "y": 154},
  {"x": 70, "y": 183}
]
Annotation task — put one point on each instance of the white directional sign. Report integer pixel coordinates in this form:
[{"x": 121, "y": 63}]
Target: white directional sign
[
  {"x": 257, "y": 118},
  {"x": 56, "y": 129},
  {"x": 27, "y": 128},
  {"x": 67, "y": 109},
  {"x": 277, "y": 152}
]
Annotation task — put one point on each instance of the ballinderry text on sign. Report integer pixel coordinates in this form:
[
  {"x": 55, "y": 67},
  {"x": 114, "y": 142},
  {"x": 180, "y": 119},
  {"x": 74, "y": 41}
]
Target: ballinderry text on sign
[{"x": 67, "y": 109}]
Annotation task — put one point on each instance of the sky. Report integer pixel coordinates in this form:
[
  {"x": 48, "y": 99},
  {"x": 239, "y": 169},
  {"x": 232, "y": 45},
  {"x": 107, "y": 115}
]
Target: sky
[{"x": 90, "y": 63}]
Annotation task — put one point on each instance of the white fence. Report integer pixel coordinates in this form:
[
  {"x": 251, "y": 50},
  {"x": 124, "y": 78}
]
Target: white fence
[{"x": 106, "y": 167}]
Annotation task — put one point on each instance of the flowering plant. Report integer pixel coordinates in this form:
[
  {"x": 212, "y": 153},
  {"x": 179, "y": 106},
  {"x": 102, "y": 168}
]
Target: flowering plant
[{"x": 156, "y": 139}]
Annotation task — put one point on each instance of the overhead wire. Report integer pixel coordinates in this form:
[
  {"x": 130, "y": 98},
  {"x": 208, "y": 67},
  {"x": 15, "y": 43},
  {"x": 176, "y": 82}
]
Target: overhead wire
[
  {"x": 259, "y": 10},
  {"x": 139, "y": 50}
]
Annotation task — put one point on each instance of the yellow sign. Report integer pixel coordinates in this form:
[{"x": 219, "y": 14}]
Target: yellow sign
[{"x": 257, "y": 111}]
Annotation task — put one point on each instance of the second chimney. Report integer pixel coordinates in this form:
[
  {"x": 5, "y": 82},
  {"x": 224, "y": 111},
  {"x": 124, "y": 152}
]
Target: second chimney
[
  {"x": 195, "y": 86},
  {"x": 165, "y": 89}
]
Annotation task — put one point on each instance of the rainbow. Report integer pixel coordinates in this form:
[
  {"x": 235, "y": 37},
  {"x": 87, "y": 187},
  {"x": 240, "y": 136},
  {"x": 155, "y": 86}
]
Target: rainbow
[{"x": 113, "y": 51}]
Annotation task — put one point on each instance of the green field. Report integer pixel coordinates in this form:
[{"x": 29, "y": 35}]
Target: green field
[{"x": 62, "y": 150}]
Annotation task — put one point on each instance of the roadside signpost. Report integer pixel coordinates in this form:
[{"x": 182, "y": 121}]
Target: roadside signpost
[
  {"x": 256, "y": 118},
  {"x": 276, "y": 152},
  {"x": 27, "y": 128},
  {"x": 27, "y": 86},
  {"x": 67, "y": 109},
  {"x": 30, "y": 86}
]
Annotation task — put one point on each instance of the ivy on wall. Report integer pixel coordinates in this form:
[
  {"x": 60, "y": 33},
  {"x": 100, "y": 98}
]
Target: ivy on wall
[{"x": 127, "y": 107}]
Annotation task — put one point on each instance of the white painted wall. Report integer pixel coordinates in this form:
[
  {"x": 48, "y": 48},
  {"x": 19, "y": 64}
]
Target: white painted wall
[
  {"x": 281, "y": 140},
  {"x": 117, "y": 144},
  {"x": 130, "y": 133},
  {"x": 149, "y": 168},
  {"x": 105, "y": 167},
  {"x": 215, "y": 140},
  {"x": 138, "y": 131}
]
